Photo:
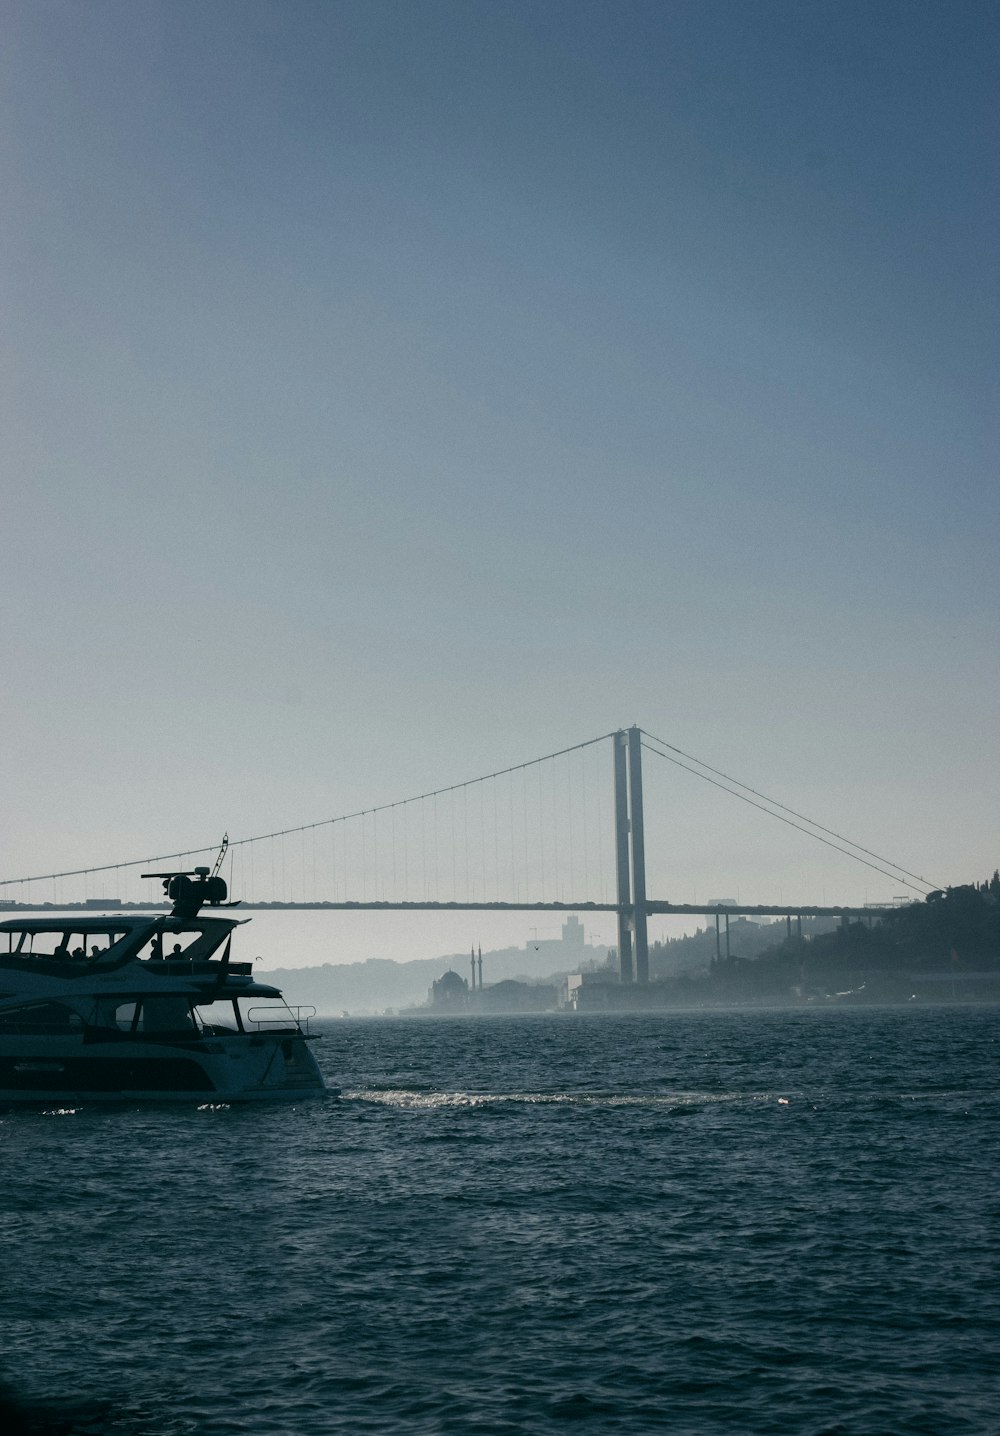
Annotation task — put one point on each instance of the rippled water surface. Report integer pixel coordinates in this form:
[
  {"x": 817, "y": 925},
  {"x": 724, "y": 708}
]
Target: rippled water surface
[{"x": 699, "y": 1223}]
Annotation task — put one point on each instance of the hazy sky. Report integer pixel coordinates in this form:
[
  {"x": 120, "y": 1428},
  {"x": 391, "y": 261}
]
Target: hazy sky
[{"x": 395, "y": 391}]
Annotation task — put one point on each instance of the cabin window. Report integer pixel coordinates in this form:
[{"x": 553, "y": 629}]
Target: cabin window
[
  {"x": 179, "y": 946},
  {"x": 65, "y": 944},
  {"x": 167, "y": 1013},
  {"x": 50, "y": 1018},
  {"x": 53, "y": 944},
  {"x": 175, "y": 946},
  {"x": 99, "y": 942},
  {"x": 170, "y": 1013},
  {"x": 219, "y": 1017}
]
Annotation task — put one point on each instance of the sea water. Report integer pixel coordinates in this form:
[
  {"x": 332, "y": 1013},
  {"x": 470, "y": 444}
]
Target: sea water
[{"x": 718, "y": 1222}]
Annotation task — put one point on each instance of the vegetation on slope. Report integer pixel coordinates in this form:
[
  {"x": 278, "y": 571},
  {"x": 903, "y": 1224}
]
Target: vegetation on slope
[{"x": 947, "y": 946}]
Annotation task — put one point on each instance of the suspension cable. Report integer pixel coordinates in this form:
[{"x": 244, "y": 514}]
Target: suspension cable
[
  {"x": 304, "y": 827},
  {"x": 785, "y": 809},
  {"x": 846, "y": 851}
]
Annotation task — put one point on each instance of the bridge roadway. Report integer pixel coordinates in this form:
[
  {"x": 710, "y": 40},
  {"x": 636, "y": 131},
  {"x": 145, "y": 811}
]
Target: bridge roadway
[{"x": 653, "y": 908}]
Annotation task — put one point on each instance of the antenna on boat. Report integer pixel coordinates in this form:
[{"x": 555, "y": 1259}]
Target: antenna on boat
[{"x": 189, "y": 890}]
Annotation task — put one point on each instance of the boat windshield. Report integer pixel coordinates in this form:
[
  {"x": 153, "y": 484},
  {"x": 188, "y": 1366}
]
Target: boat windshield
[
  {"x": 188, "y": 942},
  {"x": 248, "y": 1014}
]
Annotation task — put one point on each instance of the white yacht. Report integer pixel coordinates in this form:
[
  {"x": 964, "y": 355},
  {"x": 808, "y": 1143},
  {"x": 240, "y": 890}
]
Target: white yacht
[{"x": 145, "y": 1007}]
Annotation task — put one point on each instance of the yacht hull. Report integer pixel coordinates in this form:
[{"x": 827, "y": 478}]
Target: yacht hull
[{"x": 244, "y": 1068}]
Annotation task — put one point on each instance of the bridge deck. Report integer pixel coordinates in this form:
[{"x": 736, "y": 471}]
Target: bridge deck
[{"x": 653, "y": 908}]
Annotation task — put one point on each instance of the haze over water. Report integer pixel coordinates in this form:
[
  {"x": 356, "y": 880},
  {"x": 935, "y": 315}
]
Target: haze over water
[{"x": 773, "y": 1222}]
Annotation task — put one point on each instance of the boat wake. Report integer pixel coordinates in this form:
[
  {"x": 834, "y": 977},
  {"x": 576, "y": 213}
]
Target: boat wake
[{"x": 405, "y": 1097}]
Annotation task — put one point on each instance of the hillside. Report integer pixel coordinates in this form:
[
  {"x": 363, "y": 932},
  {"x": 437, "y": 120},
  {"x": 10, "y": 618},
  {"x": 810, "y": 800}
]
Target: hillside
[
  {"x": 947, "y": 947},
  {"x": 364, "y": 988}
]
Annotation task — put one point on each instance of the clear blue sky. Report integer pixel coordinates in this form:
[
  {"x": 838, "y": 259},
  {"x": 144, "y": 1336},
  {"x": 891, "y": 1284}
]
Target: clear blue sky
[{"x": 394, "y": 391}]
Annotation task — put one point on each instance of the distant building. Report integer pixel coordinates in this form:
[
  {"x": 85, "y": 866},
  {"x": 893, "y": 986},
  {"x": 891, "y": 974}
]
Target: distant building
[
  {"x": 568, "y": 947},
  {"x": 591, "y": 991},
  {"x": 572, "y": 932},
  {"x": 511, "y": 996},
  {"x": 449, "y": 993}
]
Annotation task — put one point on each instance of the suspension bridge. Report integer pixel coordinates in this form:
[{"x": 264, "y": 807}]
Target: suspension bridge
[{"x": 561, "y": 833}]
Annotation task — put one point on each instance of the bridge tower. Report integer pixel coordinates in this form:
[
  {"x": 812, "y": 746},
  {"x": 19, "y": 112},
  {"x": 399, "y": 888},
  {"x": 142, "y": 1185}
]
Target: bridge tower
[{"x": 630, "y": 855}]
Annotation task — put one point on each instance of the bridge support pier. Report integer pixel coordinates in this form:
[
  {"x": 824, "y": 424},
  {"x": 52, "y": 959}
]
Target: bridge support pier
[
  {"x": 630, "y": 854},
  {"x": 639, "y": 932},
  {"x": 622, "y": 857}
]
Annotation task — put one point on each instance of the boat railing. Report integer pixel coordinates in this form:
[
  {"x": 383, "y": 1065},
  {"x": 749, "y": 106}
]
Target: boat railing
[{"x": 269, "y": 1020}]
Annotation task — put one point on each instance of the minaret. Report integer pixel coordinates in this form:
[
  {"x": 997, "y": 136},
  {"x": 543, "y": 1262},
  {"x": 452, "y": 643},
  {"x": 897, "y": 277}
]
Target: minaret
[
  {"x": 473, "y": 969},
  {"x": 480, "y": 967}
]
